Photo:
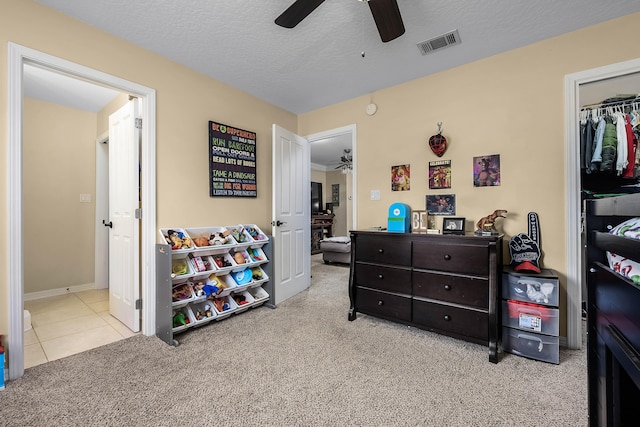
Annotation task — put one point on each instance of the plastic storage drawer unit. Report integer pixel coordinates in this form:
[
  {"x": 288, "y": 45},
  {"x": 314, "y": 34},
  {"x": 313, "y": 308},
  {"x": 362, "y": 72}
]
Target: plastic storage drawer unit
[
  {"x": 542, "y": 288},
  {"x": 534, "y": 346},
  {"x": 530, "y": 317}
]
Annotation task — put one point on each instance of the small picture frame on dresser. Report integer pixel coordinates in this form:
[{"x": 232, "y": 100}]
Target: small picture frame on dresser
[{"x": 453, "y": 225}]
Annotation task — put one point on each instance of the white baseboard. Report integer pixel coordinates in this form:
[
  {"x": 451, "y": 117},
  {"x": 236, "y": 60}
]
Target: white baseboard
[{"x": 59, "y": 291}]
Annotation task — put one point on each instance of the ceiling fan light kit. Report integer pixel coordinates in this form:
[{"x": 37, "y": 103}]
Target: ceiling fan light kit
[{"x": 386, "y": 15}]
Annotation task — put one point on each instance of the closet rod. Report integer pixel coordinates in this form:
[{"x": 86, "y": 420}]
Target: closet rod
[{"x": 610, "y": 104}]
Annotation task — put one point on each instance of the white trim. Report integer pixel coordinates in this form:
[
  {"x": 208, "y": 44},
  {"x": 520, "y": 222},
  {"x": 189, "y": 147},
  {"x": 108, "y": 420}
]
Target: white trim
[
  {"x": 58, "y": 291},
  {"x": 101, "y": 273},
  {"x": 574, "y": 267},
  {"x": 17, "y": 56},
  {"x": 349, "y": 129}
]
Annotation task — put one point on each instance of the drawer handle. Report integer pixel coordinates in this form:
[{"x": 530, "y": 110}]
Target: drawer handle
[
  {"x": 380, "y": 251},
  {"x": 380, "y": 303},
  {"x": 447, "y": 287},
  {"x": 447, "y": 257},
  {"x": 447, "y": 317},
  {"x": 380, "y": 276}
]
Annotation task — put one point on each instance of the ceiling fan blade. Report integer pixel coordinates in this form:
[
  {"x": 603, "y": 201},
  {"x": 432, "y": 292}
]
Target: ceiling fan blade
[
  {"x": 386, "y": 14},
  {"x": 299, "y": 10}
]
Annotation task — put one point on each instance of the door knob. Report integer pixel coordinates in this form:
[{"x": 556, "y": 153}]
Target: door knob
[
  {"x": 277, "y": 223},
  {"x": 107, "y": 224}
]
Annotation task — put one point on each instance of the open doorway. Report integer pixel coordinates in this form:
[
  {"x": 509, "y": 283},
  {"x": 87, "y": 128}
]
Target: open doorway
[
  {"x": 575, "y": 266},
  {"x": 18, "y": 57},
  {"x": 327, "y": 148},
  {"x": 334, "y": 165},
  {"x": 66, "y": 312}
]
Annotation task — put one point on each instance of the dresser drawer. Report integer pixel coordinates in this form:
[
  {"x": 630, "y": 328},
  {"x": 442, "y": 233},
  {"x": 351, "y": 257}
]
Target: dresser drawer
[
  {"x": 462, "y": 290},
  {"x": 470, "y": 323},
  {"x": 384, "y": 278},
  {"x": 455, "y": 258},
  {"x": 383, "y": 249},
  {"x": 383, "y": 304}
]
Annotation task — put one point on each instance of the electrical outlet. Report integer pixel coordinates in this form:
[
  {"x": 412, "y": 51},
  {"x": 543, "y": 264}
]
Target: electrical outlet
[
  {"x": 375, "y": 194},
  {"x": 85, "y": 198}
]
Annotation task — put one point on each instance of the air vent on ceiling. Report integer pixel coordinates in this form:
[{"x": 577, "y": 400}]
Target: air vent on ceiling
[{"x": 449, "y": 39}]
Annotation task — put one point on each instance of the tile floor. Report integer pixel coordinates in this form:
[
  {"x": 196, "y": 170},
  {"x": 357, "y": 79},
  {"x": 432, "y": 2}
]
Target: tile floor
[{"x": 69, "y": 324}]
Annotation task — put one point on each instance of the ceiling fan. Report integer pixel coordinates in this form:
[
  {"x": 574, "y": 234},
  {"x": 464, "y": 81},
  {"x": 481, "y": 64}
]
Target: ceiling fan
[
  {"x": 386, "y": 15},
  {"x": 346, "y": 161}
]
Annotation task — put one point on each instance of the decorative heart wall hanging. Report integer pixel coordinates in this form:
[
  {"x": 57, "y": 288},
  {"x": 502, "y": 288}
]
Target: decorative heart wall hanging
[{"x": 438, "y": 143}]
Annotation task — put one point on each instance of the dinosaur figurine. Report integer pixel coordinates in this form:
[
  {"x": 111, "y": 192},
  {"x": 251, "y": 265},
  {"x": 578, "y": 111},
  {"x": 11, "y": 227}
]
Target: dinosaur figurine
[{"x": 487, "y": 223}]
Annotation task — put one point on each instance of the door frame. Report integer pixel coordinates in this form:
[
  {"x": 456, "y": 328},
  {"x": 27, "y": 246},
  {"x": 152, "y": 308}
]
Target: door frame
[
  {"x": 573, "y": 209},
  {"x": 17, "y": 56},
  {"x": 349, "y": 129}
]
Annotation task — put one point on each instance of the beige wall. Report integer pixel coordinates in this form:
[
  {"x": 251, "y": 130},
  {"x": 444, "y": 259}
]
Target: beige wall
[
  {"x": 510, "y": 104},
  {"x": 59, "y": 165}
]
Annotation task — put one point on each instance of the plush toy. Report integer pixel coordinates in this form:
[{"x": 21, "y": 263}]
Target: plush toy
[
  {"x": 201, "y": 241},
  {"x": 240, "y": 299},
  {"x": 179, "y": 319},
  {"x": 239, "y": 258},
  {"x": 211, "y": 290},
  {"x": 256, "y": 273},
  {"x": 181, "y": 292},
  {"x": 221, "y": 304},
  {"x": 178, "y": 240}
]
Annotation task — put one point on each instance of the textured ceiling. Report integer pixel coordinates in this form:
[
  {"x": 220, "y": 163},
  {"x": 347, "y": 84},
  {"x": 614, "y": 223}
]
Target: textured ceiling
[{"x": 319, "y": 62}]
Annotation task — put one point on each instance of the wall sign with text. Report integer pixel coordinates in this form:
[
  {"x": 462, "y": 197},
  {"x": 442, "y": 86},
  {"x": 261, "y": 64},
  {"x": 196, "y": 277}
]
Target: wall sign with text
[{"x": 232, "y": 161}]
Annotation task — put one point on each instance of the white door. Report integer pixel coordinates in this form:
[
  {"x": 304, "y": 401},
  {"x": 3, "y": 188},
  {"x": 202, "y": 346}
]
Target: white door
[
  {"x": 124, "y": 282},
  {"x": 291, "y": 215}
]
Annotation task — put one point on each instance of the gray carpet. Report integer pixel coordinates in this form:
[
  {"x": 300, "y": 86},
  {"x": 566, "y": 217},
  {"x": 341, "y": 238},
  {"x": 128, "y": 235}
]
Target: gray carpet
[{"x": 302, "y": 364}]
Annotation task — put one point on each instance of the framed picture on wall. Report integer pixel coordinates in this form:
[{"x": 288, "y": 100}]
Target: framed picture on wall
[{"x": 335, "y": 194}]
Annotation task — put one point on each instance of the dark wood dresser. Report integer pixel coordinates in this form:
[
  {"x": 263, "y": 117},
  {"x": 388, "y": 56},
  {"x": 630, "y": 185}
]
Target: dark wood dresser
[
  {"x": 613, "y": 316},
  {"x": 449, "y": 284}
]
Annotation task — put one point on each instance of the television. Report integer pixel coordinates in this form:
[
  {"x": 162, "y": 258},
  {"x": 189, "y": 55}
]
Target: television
[{"x": 316, "y": 198}]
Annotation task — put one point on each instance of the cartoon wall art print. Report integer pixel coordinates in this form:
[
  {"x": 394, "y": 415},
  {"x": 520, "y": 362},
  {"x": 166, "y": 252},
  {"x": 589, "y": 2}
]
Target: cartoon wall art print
[
  {"x": 400, "y": 178},
  {"x": 441, "y": 204},
  {"x": 486, "y": 171},
  {"x": 440, "y": 174}
]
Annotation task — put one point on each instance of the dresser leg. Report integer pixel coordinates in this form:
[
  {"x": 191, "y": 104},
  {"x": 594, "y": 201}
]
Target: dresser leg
[
  {"x": 352, "y": 314},
  {"x": 493, "y": 351}
]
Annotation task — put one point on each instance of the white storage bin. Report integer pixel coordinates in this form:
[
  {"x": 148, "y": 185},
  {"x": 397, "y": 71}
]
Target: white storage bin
[
  {"x": 244, "y": 301},
  {"x": 182, "y": 294},
  {"x": 210, "y": 238},
  {"x": 258, "y": 237},
  {"x": 184, "y": 321},
  {"x": 224, "y": 306},
  {"x": 240, "y": 235},
  {"x": 224, "y": 262},
  {"x": 201, "y": 266},
  {"x": 238, "y": 256},
  {"x": 530, "y": 317},
  {"x": 177, "y": 239},
  {"x": 257, "y": 256},
  {"x": 223, "y": 282},
  {"x": 180, "y": 268},
  {"x": 259, "y": 276},
  {"x": 531, "y": 345},
  {"x": 542, "y": 288},
  {"x": 203, "y": 312},
  {"x": 260, "y": 296},
  {"x": 242, "y": 278}
]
